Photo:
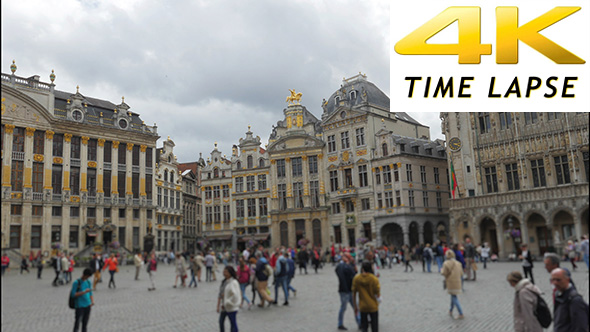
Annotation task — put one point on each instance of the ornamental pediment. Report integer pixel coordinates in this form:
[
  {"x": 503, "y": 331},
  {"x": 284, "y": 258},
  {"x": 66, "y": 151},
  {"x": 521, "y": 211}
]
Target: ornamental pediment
[
  {"x": 19, "y": 108},
  {"x": 344, "y": 116}
]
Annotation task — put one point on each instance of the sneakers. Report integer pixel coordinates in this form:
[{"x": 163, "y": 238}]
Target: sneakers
[
  {"x": 286, "y": 303},
  {"x": 249, "y": 306},
  {"x": 460, "y": 317},
  {"x": 342, "y": 328}
]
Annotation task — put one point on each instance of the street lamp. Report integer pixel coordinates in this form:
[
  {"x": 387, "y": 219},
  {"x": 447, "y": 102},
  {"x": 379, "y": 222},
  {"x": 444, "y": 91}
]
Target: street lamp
[{"x": 512, "y": 234}]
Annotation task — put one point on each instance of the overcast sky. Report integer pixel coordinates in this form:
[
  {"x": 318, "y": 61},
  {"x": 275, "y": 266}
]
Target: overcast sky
[{"x": 202, "y": 70}]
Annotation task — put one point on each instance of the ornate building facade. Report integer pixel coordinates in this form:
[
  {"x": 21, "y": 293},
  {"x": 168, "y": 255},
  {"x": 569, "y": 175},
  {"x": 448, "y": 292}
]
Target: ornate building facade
[
  {"x": 192, "y": 203},
  {"x": 522, "y": 178},
  {"x": 76, "y": 170}
]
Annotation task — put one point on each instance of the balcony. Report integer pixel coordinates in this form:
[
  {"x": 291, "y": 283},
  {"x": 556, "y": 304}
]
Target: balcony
[
  {"x": 345, "y": 193},
  {"x": 148, "y": 170},
  {"x": 240, "y": 222},
  {"x": 75, "y": 162},
  {"x": 135, "y": 169},
  {"x": 107, "y": 200},
  {"x": 17, "y": 155},
  {"x": 122, "y": 168},
  {"x": 37, "y": 196},
  {"x": 122, "y": 200},
  {"x": 106, "y": 166}
]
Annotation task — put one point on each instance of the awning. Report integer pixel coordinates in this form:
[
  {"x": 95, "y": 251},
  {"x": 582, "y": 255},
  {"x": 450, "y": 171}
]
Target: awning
[{"x": 219, "y": 237}]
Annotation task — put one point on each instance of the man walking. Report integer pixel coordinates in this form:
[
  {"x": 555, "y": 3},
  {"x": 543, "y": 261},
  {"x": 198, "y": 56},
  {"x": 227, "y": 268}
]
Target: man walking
[
  {"x": 281, "y": 277},
  {"x": 570, "y": 312},
  {"x": 83, "y": 300},
  {"x": 369, "y": 290},
  {"x": 57, "y": 267},
  {"x": 96, "y": 265},
  {"x": 345, "y": 272},
  {"x": 584, "y": 248},
  {"x": 138, "y": 260},
  {"x": 262, "y": 275},
  {"x": 469, "y": 258}
]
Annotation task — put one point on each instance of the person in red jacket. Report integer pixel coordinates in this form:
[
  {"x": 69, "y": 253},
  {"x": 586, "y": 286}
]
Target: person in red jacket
[
  {"x": 112, "y": 263},
  {"x": 5, "y": 263}
]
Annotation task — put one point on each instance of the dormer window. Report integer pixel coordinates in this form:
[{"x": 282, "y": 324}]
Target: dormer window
[
  {"x": 216, "y": 172},
  {"x": 384, "y": 149},
  {"x": 123, "y": 124},
  {"x": 337, "y": 100},
  {"x": 250, "y": 161},
  {"x": 165, "y": 175},
  {"x": 415, "y": 149},
  {"x": 239, "y": 165},
  {"x": 353, "y": 95},
  {"x": 261, "y": 163},
  {"x": 77, "y": 115}
]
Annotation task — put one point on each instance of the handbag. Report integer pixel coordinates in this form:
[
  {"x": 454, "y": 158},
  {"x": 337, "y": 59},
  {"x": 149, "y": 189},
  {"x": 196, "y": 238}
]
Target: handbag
[
  {"x": 117, "y": 269},
  {"x": 72, "y": 299}
]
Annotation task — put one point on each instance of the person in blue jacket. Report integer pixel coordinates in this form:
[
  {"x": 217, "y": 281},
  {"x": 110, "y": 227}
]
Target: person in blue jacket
[{"x": 82, "y": 292}]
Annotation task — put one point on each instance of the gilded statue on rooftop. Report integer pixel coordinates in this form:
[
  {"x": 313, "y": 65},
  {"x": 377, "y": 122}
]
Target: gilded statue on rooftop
[{"x": 294, "y": 98}]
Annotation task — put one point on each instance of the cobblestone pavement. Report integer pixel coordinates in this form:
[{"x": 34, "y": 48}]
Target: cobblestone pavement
[{"x": 411, "y": 302}]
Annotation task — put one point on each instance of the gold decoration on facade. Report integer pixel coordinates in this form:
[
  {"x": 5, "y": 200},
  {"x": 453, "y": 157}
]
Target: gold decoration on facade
[
  {"x": 9, "y": 128},
  {"x": 289, "y": 122},
  {"x": 272, "y": 161},
  {"x": 399, "y": 165},
  {"x": 332, "y": 158},
  {"x": 361, "y": 152},
  {"x": 16, "y": 195},
  {"x": 101, "y": 141},
  {"x": 304, "y": 158},
  {"x": 299, "y": 120},
  {"x": 75, "y": 199},
  {"x": 116, "y": 144},
  {"x": 30, "y": 131},
  {"x": 49, "y": 134},
  {"x": 85, "y": 139},
  {"x": 288, "y": 159},
  {"x": 142, "y": 148},
  {"x": 38, "y": 157},
  {"x": 92, "y": 164},
  {"x": 68, "y": 137},
  {"x": 320, "y": 156},
  {"x": 345, "y": 156},
  {"x": 130, "y": 146},
  {"x": 294, "y": 98},
  {"x": 58, "y": 160}
]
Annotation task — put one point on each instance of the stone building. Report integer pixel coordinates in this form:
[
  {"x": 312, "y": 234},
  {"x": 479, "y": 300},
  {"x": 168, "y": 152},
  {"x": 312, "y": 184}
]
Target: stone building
[
  {"x": 216, "y": 185},
  {"x": 522, "y": 178},
  {"x": 251, "y": 191},
  {"x": 350, "y": 121},
  {"x": 191, "y": 209},
  {"x": 298, "y": 206},
  {"x": 76, "y": 170}
]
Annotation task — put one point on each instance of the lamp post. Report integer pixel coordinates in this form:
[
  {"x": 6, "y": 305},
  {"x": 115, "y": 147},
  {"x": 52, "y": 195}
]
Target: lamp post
[{"x": 514, "y": 239}]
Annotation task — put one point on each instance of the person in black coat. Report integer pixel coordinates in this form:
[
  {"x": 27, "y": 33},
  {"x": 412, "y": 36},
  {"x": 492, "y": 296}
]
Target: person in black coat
[
  {"x": 570, "y": 312},
  {"x": 96, "y": 265},
  {"x": 303, "y": 258}
]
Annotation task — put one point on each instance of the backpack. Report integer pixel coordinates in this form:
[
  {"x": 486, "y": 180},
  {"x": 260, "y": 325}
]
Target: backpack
[
  {"x": 283, "y": 269},
  {"x": 426, "y": 253},
  {"x": 542, "y": 312},
  {"x": 72, "y": 299}
]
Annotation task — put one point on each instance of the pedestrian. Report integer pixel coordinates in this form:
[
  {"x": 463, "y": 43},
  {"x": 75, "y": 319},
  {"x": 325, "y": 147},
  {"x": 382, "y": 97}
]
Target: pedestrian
[
  {"x": 571, "y": 254},
  {"x": 82, "y": 292},
  {"x": 281, "y": 274},
  {"x": 485, "y": 254},
  {"x": 570, "y": 312},
  {"x": 151, "y": 269},
  {"x": 194, "y": 266},
  {"x": 291, "y": 275},
  {"x": 5, "y": 263},
  {"x": 315, "y": 259},
  {"x": 303, "y": 258},
  {"x": 345, "y": 272},
  {"x": 24, "y": 265},
  {"x": 452, "y": 270},
  {"x": 113, "y": 265},
  {"x": 552, "y": 261},
  {"x": 460, "y": 259},
  {"x": 200, "y": 262},
  {"x": 57, "y": 267},
  {"x": 180, "y": 270},
  {"x": 263, "y": 272},
  {"x": 254, "y": 281},
  {"x": 440, "y": 256},
  {"x": 138, "y": 261},
  {"x": 525, "y": 303},
  {"x": 229, "y": 299},
  {"x": 40, "y": 264},
  {"x": 243, "y": 274},
  {"x": 527, "y": 262},
  {"x": 367, "y": 286},
  {"x": 427, "y": 254},
  {"x": 65, "y": 265},
  {"x": 408, "y": 258},
  {"x": 470, "y": 259},
  {"x": 209, "y": 263},
  {"x": 584, "y": 248},
  {"x": 96, "y": 265}
]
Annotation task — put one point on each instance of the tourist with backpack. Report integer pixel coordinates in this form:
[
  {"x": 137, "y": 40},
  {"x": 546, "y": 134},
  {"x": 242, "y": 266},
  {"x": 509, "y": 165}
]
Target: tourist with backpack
[
  {"x": 427, "y": 256},
  {"x": 570, "y": 312},
  {"x": 440, "y": 256},
  {"x": 83, "y": 299},
  {"x": 525, "y": 303},
  {"x": 281, "y": 277}
]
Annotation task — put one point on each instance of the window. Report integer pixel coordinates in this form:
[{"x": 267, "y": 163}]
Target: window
[
  {"x": 75, "y": 180},
  {"x": 530, "y": 117},
  {"x": 349, "y": 206},
  {"x": 402, "y": 147},
  {"x": 423, "y": 174},
  {"x": 281, "y": 168},
  {"x": 37, "y": 211},
  {"x": 484, "y": 122},
  {"x": 91, "y": 150},
  {"x": 262, "y": 182},
  {"x": 36, "y": 236},
  {"x": 135, "y": 213},
  {"x": 538, "y": 172},
  {"x": 386, "y": 174},
  {"x": 298, "y": 194},
  {"x": 250, "y": 162},
  {"x": 380, "y": 200},
  {"x": 398, "y": 198},
  {"x": 491, "y": 179},
  {"x": 16, "y": 210},
  {"x": 505, "y": 120},
  {"x": 39, "y": 142},
  {"x": 240, "y": 208},
  {"x": 135, "y": 238},
  {"x": 215, "y": 172},
  {"x": 226, "y": 214},
  {"x": 363, "y": 179},
  {"x": 282, "y": 191},
  {"x": 261, "y": 162},
  {"x": 428, "y": 151},
  {"x": 296, "y": 165},
  {"x": 384, "y": 150},
  {"x": 335, "y": 208},
  {"x": 377, "y": 175},
  {"x": 395, "y": 173},
  {"x": 55, "y": 233},
  {"x": 436, "y": 176},
  {"x": 562, "y": 171},
  {"x": 135, "y": 155},
  {"x": 585, "y": 157},
  {"x": 149, "y": 214},
  {"x": 263, "y": 206},
  {"x": 360, "y": 136},
  {"x": 333, "y": 180},
  {"x": 74, "y": 211},
  {"x": 18, "y": 139},
  {"x": 313, "y": 164},
  {"x": 108, "y": 153},
  {"x": 74, "y": 229},
  {"x": 216, "y": 192},
  {"x": 388, "y": 199},
  {"x": 348, "y": 178},
  {"x": 366, "y": 204},
  {"x": 15, "y": 237},
  {"x": 107, "y": 212},
  {"x": 345, "y": 140},
  {"x": 553, "y": 116},
  {"x": 91, "y": 182},
  {"x": 337, "y": 234},
  {"x": 178, "y": 200},
  {"x": 438, "y": 200},
  {"x": 209, "y": 213},
  {"x": 75, "y": 147},
  {"x": 251, "y": 207},
  {"x": 425, "y": 198},
  {"x": 91, "y": 212},
  {"x": 121, "y": 184},
  {"x": 122, "y": 213},
  {"x": 415, "y": 149},
  {"x": 58, "y": 145},
  {"x": 239, "y": 184},
  {"x": 409, "y": 172},
  {"x": 56, "y": 211},
  {"x": 17, "y": 175},
  {"x": 123, "y": 155},
  {"x": 239, "y": 165},
  {"x": 37, "y": 177},
  {"x": 331, "y": 143},
  {"x": 411, "y": 198},
  {"x": 367, "y": 231},
  {"x": 225, "y": 191},
  {"x": 216, "y": 214},
  {"x": 512, "y": 177},
  {"x": 207, "y": 192},
  {"x": 314, "y": 188}
]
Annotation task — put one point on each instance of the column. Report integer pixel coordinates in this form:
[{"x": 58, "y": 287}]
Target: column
[
  {"x": 114, "y": 174},
  {"x": 524, "y": 232},
  {"x": 143, "y": 222},
  {"x": 500, "y": 238},
  {"x": 100, "y": 171},
  {"x": 6, "y": 186},
  {"x": 66, "y": 166},
  {"x": 420, "y": 232},
  {"x": 406, "y": 230},
  {"x": 128, "y": 222}
]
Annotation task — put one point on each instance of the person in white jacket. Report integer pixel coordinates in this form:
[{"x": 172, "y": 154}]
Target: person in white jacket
[{"x": 229, "y": 299}]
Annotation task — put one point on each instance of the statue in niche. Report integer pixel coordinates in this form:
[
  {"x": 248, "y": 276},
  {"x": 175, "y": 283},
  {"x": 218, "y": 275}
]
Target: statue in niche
[
  {"x": 364, "y": 96},
  {"x": 556, "y": 238}
]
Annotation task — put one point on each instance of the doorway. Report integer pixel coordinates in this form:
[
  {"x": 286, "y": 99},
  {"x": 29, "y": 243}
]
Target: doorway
[{"x": 351, "y": 237}]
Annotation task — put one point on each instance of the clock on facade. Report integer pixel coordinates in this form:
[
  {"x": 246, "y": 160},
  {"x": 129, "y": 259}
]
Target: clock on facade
[{"x": 455, "y": 144}]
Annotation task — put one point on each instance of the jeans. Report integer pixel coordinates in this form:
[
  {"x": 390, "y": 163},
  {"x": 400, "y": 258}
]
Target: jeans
[
  {"x": 374, "y": 321},
  {"x": 439, "y": 262},
  {"x": 586, "y": 259},
  {"x": 243, "y": 289},
  {"x": 455, "y": 303},
  {"x": 112, "y": 278},
  {"x": 528, "y": 270},
  {"x": 289, "y": 278},
  {"x": 281, "y": 282},
  {"x": 346, "y": 298},
  {"x": 208, "y": 275},
  {"x": 84, "y": 315},
  {"x": 485, "y": 261},
  {"x": 153, "y": 279},
  {"x": 96, "y": 279},
  {"x": 232, "y": 321},
  {"x": 428, "y": 262},
  {"x": 193, "y": 280}
]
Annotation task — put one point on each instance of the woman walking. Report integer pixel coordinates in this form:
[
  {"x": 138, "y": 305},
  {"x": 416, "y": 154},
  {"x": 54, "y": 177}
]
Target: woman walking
[
  {"x": 408, "y": 258},
  {"x": 152, "y": 267},
  {"x": 24, "y": 265},
  {"x": 525, "y": 303},
  {"x": 254, "y": 287},
  {"x": 113, "y": 264},
  {"x": 180, "y": 270},
  {"x": 452, "y": 271},
  {"x": 40, "y": 263},
  {"x": 194, "y": 268},
  {"x": 244, "y": 280},
  {"x": 229, "y": 299},
  {"x": 200, "y": 259},
  {"x": 571, "y": 254}
]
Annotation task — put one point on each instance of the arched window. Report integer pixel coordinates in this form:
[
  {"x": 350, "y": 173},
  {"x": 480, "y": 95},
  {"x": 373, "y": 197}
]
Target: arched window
[
  {"x": 239, "y": 165},
  {"x": 261, "y": 162},
  {"x": 216, "y": 172},
  {"x": 337, "y": 100},
  {"x": 171, "y": 176},
  {"x": 384, "y": 147},
  {"x": 250, "y": 161},
  {"x": 317, "y": 232},
  {"x": 165, "y": 175},
  {"x": 353, "y": 95},
  {"x": 284, "y": 234}
]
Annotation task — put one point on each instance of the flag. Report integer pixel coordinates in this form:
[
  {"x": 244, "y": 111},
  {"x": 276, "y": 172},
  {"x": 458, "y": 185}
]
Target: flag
[{"x": 453, "y": 180}]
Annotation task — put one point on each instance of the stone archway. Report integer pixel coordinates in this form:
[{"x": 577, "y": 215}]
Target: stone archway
[
  {"x": 392, "y": 234},
  {"x": 489, "y": 234},
  {"x": 538, "y": 230},
  {"x": 428, "y": 233},
  {"x": 563, "y": 224},
  {"x": 585, "y": 221},
  {"x": 414, "y": 234},
  {"x": 442, "y": 232}
]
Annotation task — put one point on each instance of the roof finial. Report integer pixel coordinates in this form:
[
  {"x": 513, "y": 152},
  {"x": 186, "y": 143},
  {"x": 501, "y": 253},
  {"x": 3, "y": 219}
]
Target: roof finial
[
  {"x": 248, "y": 127},
  {"x": 13, "y": 67},
  {"x": 122, "y": 99},
  {"x": 52, "y": 76},
  {"x": 77, "y": 89}
]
